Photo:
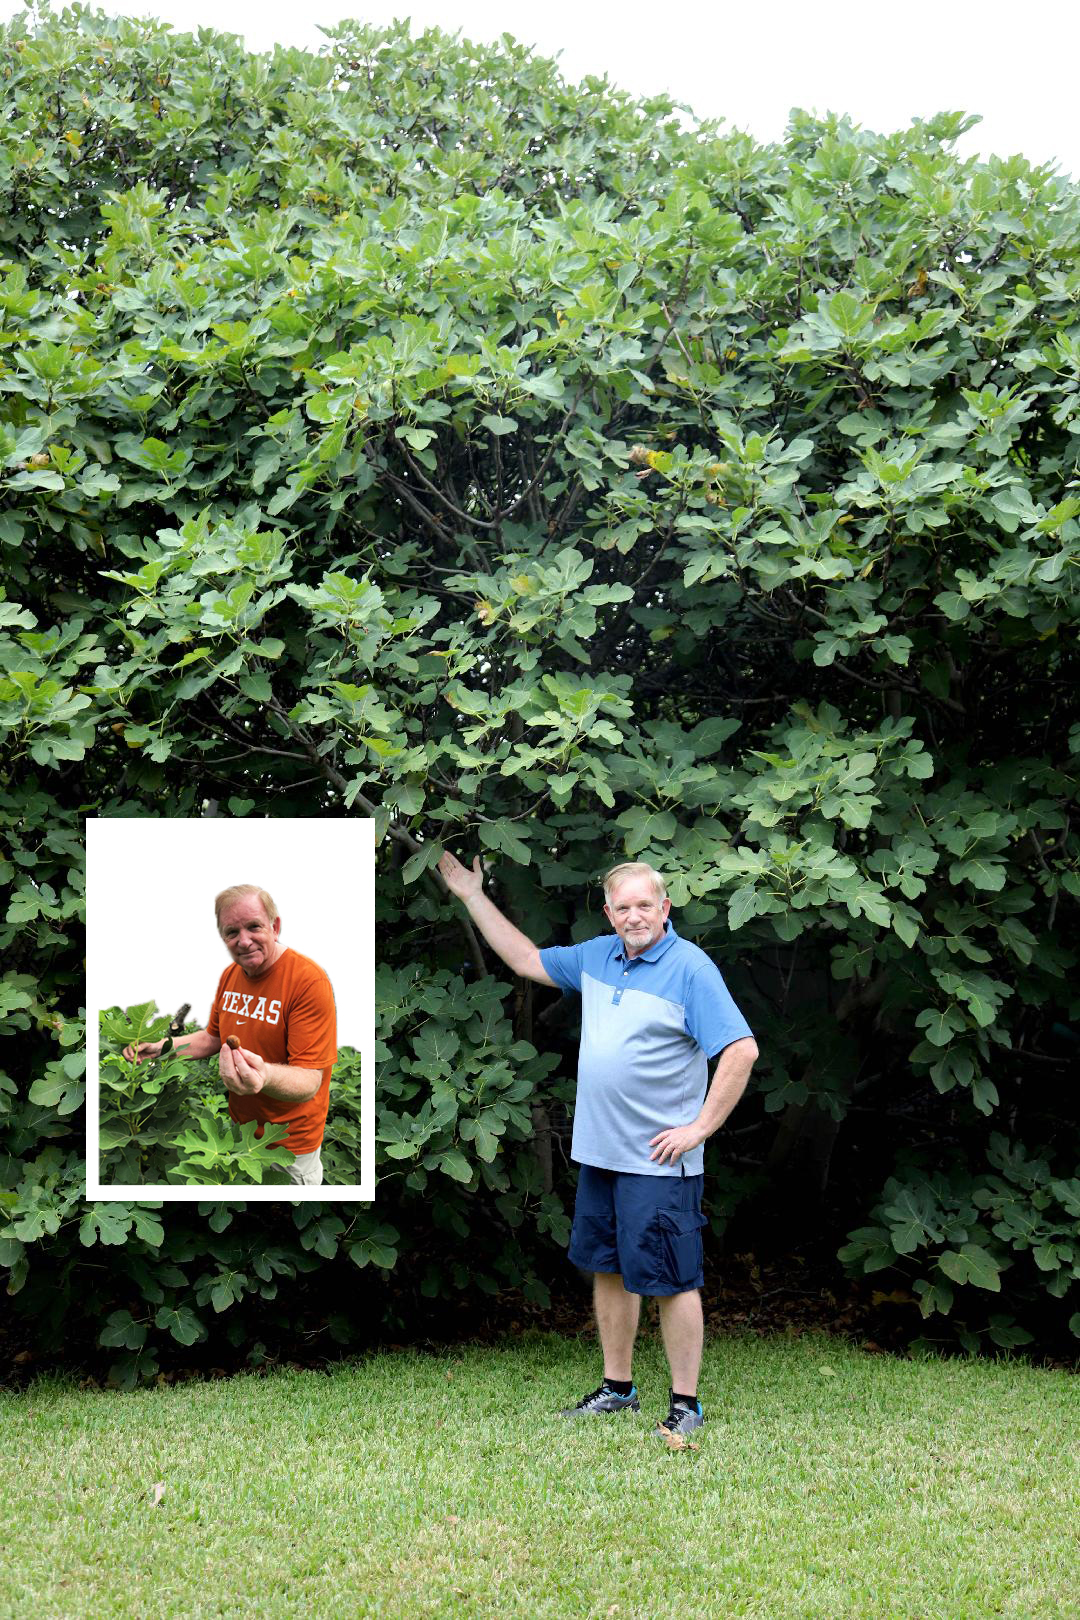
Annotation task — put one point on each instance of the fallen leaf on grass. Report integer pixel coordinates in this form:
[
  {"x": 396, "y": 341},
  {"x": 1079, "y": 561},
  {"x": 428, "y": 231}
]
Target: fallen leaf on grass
[
  {"x": 827, "y": 1372},
  {"x": 676, "y": 1441},
  {"x": 159, "y": 1492}
]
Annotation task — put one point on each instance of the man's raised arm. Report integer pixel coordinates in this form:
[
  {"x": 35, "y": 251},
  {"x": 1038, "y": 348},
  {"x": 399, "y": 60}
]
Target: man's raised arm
[{"x": 516, "y": 949}]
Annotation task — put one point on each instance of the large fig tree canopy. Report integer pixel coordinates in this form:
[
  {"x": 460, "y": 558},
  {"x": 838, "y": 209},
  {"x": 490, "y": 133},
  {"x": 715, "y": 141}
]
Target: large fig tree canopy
[{"x": 404, "y": 432}]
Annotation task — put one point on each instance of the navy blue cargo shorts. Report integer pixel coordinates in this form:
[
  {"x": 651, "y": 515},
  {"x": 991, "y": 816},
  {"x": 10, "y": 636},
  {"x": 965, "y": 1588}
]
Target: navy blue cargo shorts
[{"x": 646, "y": 1228}]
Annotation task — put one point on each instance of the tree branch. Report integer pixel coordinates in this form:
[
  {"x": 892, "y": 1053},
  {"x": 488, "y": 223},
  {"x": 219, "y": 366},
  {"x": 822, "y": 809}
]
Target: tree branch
[{"x": 400, "y": 834}]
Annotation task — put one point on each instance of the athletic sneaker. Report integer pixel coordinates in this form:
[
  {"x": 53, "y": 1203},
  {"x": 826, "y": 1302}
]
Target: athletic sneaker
[
  {"x": 682, "y": 1419},
  {"x": 604, "y": 1400}
]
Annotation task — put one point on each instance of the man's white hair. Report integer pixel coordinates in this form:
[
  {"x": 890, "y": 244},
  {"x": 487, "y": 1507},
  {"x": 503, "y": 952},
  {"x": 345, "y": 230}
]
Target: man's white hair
[
  {"x": 237, "y": 892},
  {"x": 633, "y": 869}
]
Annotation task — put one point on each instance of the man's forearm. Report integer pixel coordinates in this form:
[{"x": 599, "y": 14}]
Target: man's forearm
[
  {"x": 516, "y": 949},
  {"x": 728, "y": 1084},
  {"x": 199, "y": 1044},
  {"x": 288, "y": 1084}
]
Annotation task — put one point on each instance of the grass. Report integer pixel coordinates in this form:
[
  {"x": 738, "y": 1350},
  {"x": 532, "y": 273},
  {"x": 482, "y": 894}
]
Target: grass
[{"x": 830, "y": 1483}]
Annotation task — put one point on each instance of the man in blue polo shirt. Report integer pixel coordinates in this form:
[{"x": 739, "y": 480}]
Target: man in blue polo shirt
[{"x": 655, "y": 1012}]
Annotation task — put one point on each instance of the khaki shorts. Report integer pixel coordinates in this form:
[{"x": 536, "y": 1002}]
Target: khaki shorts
[{"x": 306, "y": 1169}]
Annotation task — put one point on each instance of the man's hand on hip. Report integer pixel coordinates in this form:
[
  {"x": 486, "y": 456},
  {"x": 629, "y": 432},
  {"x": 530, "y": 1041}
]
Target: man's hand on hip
[
  {"x": 670, "y": 1145},
  {"x": 243, "y": 1072}
]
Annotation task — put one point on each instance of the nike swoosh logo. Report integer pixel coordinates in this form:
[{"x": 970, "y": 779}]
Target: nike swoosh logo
[{"x": 240, "y": 1023}]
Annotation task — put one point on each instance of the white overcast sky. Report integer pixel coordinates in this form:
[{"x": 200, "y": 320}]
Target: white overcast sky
[{"x": 750, "y": 63}]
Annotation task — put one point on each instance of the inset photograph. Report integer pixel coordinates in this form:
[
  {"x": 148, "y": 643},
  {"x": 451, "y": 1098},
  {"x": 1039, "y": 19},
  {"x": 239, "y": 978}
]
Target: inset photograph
[{"x": 231, "y": 986}]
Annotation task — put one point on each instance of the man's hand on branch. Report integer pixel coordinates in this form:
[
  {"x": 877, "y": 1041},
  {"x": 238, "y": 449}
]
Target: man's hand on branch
[
  {"x": 144, "y": 1050},
  {"x": 243, "y": 1072},
  {"x": 462, "y": 882},
  {"x": 505, "y": 938}
]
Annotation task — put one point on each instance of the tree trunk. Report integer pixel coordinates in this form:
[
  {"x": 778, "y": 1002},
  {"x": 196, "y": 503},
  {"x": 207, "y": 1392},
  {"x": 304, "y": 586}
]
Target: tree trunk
[
  {"x": 802, "y": 1151},
  {"x": 799, "y": 1159},
  {"x": 541, "y": 1119}
]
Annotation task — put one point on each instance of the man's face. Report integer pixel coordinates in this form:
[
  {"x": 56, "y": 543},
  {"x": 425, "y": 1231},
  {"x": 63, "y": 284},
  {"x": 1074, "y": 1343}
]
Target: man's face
[
  {"x": 636, "y": 914},
  {"x": 250, "y": 936}
]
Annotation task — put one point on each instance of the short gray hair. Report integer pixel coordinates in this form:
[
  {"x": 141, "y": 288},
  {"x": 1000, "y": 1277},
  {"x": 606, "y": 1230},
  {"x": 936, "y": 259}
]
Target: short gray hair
[
  {"x": 630, "y": 869},
  {"x": 237, "y": 892}
]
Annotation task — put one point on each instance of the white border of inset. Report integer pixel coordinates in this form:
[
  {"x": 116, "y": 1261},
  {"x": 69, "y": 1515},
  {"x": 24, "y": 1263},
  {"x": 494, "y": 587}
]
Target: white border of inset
[{"x": 340, "y": 854}]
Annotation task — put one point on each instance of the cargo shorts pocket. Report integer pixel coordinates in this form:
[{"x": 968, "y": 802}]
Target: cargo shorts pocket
[{"x": 681, "y": 1249}]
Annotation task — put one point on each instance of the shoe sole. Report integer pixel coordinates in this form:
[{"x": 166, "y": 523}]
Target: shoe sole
[{"x": 609, "y": 1411}]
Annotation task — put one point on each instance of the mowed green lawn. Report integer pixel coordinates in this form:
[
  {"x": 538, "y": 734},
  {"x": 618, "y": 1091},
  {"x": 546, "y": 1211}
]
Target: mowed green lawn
[{"x": 829, "y": 1483}]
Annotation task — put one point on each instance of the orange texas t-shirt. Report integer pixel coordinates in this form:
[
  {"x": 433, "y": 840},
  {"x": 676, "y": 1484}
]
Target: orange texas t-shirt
[{"x": 287, "y": 1016}]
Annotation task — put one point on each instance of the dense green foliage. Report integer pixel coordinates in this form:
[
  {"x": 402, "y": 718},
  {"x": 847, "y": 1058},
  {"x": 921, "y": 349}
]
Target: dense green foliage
[
  {"x": 403, "y": 432},
  {"x": 167, "y": 1119}
]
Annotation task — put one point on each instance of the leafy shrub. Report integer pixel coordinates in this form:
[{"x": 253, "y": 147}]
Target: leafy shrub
[
  {"x": 954, "y": 1231},
  {"x": 166, "y": 1119}
]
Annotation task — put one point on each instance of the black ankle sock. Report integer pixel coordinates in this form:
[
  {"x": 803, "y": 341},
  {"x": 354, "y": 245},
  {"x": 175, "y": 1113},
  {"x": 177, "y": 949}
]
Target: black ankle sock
[
  {"x": 619, "y": 1386},
  {"x": 687, "y": 1400}
]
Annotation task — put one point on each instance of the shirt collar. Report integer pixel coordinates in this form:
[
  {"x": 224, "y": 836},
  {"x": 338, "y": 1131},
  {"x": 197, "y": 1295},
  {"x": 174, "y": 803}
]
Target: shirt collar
[{"x": 654, "y": 952}]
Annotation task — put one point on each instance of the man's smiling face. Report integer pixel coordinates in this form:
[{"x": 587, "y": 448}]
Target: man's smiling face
[
  {"x": 250, "y": 936},
  {"x": 637, "y": 914}
]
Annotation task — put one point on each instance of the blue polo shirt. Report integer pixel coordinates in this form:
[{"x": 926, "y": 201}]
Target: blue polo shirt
[{"x": 649, "y": 1025}]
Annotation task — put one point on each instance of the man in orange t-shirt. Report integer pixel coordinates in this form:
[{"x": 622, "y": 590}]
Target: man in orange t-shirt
[{"x": 280, "y": 1006}]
